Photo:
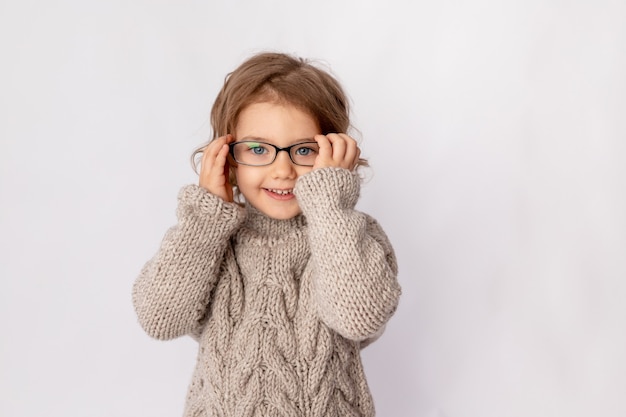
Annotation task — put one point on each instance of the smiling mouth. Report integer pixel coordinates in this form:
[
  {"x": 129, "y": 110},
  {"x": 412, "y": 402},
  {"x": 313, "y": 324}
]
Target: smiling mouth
[{"x": 280, "y": 192}]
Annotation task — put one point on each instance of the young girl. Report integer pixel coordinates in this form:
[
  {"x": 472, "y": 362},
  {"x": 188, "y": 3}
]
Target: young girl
[{"x": 284, "y": 288}]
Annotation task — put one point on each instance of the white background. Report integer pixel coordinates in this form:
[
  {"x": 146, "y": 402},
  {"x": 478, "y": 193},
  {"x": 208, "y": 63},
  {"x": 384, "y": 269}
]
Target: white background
[{"x": 496, "y": 131}]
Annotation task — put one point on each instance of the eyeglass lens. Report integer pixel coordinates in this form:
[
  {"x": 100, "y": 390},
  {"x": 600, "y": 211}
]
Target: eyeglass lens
[{"x": 260, "y": 153}]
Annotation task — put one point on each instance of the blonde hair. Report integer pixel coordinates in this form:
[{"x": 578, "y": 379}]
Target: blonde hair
[{"x": 281, "y": 78}]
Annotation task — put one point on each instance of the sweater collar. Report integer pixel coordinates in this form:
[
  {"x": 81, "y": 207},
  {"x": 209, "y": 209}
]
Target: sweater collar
[{"x": 259, "y": 222}]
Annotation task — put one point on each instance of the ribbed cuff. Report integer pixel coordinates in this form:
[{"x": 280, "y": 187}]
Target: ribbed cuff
[
  {"x": 195, "y": 201},
  {"x": 335, "y": 187}
]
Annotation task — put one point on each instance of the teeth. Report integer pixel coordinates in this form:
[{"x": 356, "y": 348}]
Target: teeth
[{"x": 281, "y": 192}]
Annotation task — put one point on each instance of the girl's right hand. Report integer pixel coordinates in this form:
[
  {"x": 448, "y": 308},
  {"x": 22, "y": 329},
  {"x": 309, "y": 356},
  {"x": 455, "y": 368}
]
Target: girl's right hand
[{"x": 214, "y": 169}]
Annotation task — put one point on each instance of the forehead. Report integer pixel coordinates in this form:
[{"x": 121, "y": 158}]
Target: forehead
[{"x": 276, "y": 123}]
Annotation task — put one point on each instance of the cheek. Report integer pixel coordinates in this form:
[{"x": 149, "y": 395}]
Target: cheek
[
  {"x": 246, "y": 176},
  {"x": 303, "y": 170},
  {"x": 236, "y": 175}
]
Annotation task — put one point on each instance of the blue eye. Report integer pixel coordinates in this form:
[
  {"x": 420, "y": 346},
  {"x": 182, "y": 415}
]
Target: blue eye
[
  {"x": 257, "y": 148},
  {"x": 306, "y": 149}
]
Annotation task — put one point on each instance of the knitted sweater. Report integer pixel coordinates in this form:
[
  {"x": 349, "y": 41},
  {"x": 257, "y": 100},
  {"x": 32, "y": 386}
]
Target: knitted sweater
[{"x": 280, "y": 308}]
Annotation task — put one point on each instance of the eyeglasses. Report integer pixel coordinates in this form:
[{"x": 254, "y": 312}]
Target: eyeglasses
[{"x": 259, "y": 154}]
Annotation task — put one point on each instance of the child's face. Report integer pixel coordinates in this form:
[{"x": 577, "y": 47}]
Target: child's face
[{"x": 270, "y": 188}]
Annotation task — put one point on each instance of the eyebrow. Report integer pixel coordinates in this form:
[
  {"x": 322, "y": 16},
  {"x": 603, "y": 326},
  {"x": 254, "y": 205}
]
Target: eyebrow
[{"x": 258, "y": 139}]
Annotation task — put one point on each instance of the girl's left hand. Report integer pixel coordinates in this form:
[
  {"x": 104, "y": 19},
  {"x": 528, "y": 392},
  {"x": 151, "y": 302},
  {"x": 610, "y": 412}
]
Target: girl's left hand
[{"x": 337, "y": 150}]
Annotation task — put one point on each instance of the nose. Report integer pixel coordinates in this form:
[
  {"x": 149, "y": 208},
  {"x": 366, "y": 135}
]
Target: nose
[{"x": 282, "y": 167}]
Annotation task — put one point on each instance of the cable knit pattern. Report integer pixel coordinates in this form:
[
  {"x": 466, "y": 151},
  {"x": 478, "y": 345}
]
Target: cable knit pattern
[{"x": 280, "y": 308}]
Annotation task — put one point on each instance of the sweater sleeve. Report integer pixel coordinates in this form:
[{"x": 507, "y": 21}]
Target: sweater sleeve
[
  {"x": 172, "y": 292},
  {"x": 355, "y": 282}
]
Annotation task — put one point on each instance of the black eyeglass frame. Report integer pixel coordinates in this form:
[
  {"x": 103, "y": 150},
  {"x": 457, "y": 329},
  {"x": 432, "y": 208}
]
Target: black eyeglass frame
[{"x": 231, "y": 151}]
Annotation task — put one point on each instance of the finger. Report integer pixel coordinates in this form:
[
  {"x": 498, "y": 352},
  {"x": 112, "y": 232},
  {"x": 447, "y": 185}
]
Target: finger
[
  {"x": 357, "y": 157},
  {"x": 218, "y": 172},
  {"x": 326, "y": 149},
  {"x": 214, "y": 165},
  {"x": 339, "y": 147},
  {"x": 352, "y": 151},
  {"x": 221, "y": 160},
  {"x": 215, "y": 177},
  {"x": 347, "y": 151},
  {"x": 229, "y": 159},
  {"x": 211, "y": 150},
  {"x": 207, "y": 161}
]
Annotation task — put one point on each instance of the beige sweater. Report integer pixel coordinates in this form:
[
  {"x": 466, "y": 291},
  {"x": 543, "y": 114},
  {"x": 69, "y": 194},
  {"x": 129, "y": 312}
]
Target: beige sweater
[{"x": 280, "y": 308}]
